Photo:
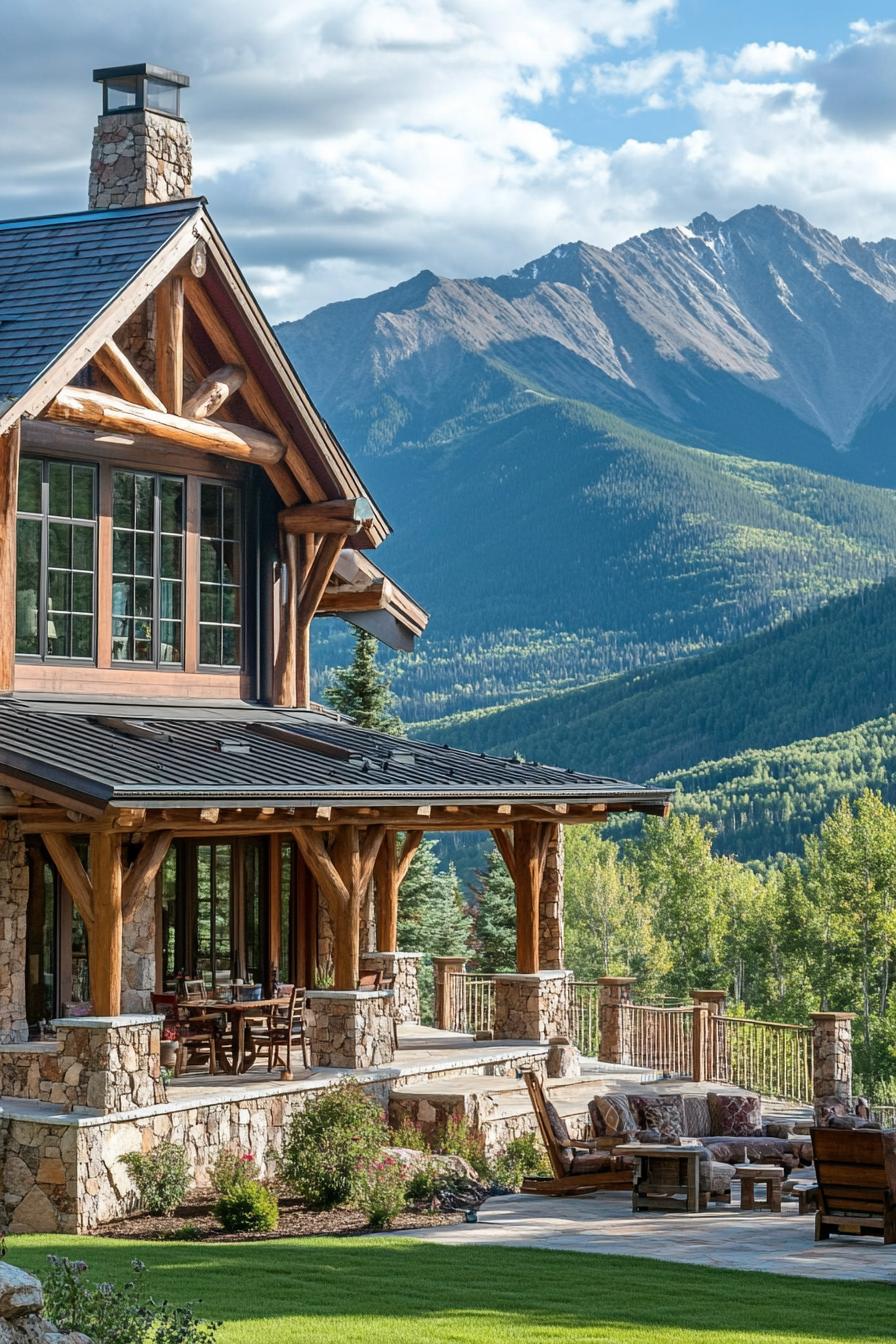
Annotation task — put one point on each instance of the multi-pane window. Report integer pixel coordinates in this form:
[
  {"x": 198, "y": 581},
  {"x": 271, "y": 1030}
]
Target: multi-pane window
[
  {"x": 55, "y": 559},
  {"x": 220, "y": 575},
  {"x": 147, "y": 568}
]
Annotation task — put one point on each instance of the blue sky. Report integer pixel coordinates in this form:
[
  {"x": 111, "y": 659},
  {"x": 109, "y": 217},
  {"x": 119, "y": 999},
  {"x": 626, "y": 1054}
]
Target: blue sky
[{"x": 347, "y": 144}]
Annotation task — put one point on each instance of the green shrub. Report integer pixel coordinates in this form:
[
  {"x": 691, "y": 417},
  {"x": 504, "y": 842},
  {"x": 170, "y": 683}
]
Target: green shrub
[
  {"x": 162, "y": 1177},
  {"x": 232, "y": 1170},
  {"x": 408, "y": 1135},
  {"x": 111, "y": 1313},
  {"x": 247, "y": 1207},
  {"x": 327, "y": 1143},
  {"x": 524, "y": 1156},
  {"x": 381, "y": 1191},
  {"x": 456, "y": 1137},
  {"x": 425, "y": 1183}
]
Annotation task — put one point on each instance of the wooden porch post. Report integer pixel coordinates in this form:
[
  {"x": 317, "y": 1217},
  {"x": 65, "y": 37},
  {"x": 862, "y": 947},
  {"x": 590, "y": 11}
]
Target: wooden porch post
[
  {"x": 9, "y": 487},
  {"x": 343, "y": 873},
  {"x": 389, "y": 872},
  {"x": 104, "y": 939},
  {"x": 524, "y": 849}
]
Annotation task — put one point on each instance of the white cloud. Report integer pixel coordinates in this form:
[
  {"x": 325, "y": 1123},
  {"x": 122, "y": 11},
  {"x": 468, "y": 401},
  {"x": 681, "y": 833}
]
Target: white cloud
[
  {"x": 770, "y": 58},
  {"x": 346, "y": 144}
]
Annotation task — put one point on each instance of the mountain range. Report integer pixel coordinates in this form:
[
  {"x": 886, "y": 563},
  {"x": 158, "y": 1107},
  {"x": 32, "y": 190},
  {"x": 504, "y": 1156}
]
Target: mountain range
[{"x": 608, "y": 461}]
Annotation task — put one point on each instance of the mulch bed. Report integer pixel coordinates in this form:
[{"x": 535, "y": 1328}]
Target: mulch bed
[{"x": 295, "y": 1221}]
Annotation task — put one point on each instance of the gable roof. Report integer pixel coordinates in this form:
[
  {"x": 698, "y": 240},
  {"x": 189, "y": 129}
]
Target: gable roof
[
  {"x": 58, "y": 274},
  {"x": 187, "y": 755}
]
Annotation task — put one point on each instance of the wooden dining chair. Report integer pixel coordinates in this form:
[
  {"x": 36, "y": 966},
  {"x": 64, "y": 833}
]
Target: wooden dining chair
[
  {"x": 372, "y": 980},
  {"x": 388, "y": 982},
  {"x": 285, "y": 1028},
  {"x": 192, "y": 1032}
]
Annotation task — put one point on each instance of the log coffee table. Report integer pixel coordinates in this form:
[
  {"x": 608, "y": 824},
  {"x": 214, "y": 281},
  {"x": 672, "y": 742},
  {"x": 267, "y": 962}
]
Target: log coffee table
[
  {"x": 752, "y": 1175},
  {"x": 667, "y": 1177}
]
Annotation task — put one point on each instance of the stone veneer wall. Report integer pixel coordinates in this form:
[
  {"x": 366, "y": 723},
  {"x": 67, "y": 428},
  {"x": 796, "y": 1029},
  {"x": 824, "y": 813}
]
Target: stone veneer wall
[
  {"x": 105, "y": 1064},
  {"x": 138, "y": 958},
  {"x": 13, "y": 919},
  {"x": 550, "y": 906},
  {"x": 22, "y": 1319},
  {"x": 351, "y": 1028},
  {"x": 832, "y": 1057},
  {"x": 402, "y": 968},
  {"x": 532, "y": 1007},
  {"x": 139, "y": 158}
]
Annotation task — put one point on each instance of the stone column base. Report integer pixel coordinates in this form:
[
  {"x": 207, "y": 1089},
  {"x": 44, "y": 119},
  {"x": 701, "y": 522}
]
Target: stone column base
[
  {"x": 532, "y": 1007},
  {"x": 112, "y": 1062},
  {"x": 350, "y": 1028},
  {"x": 401, "y": 968}
]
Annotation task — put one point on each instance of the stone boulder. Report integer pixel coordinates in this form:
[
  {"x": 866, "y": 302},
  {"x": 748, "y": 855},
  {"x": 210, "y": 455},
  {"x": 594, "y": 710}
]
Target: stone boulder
[
  {"x": 411, "y": 1160},
  {"x": 21, "y": 1311}
]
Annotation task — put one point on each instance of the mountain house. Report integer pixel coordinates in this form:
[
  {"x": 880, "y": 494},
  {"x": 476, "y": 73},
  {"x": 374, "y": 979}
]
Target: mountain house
[{"x": 174, "y": 513}]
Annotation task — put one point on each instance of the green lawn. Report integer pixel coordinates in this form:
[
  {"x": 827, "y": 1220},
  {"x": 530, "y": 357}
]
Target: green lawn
[{"x": 365, "y": 1291}]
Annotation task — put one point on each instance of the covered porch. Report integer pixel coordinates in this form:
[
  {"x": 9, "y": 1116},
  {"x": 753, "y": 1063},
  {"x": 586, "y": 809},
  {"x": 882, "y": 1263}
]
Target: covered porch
[{"x": 244, "y": 844}]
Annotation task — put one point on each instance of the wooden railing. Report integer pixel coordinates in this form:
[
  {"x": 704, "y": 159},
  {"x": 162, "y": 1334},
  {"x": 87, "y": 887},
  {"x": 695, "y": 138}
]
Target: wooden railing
[
  {"x": 772, "y": 1058},
  {"x": 658, "y": 1038},
  {"x": 472, "y": 1002}
]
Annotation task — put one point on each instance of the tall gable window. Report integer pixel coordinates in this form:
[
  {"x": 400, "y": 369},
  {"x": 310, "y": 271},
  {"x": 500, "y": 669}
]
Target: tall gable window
[
  {"x": 147, "y": 568},
  {"x": 220, "y": 574},
  {"x": 56, "y": 560}
]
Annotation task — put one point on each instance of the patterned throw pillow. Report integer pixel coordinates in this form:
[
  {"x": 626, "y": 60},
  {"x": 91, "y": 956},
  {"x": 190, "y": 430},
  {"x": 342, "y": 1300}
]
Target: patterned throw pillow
[
  {"x": 736, "y": 1115},
  {"x": 637, "y": 1101},
  {"x": 666, "y": 1115},
  {"x": 617, "y": 1117},
  {"x": 560, "y": 1132},
  {"x": 697, "y": 1120}
]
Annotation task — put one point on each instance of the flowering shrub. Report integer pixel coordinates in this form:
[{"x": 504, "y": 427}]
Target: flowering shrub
[
  {"x": 408, "y": 1135},
  {"x": 247, "y": 1207},
  {"x": 162, "y": 1177},
  {"x": 427, "y": 1182},
  {"x": 327, "y": 1143},
  {"x": 111, "y": 1313},
  {"x": 232, "y": 1170},
  {"x": 381, "y": 1191},
  {"x": 523, "y": 1156}
]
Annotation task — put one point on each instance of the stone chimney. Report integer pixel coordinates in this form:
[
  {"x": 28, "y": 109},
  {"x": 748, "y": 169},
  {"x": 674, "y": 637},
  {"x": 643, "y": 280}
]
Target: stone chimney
[{"x": 141, "y": 146}]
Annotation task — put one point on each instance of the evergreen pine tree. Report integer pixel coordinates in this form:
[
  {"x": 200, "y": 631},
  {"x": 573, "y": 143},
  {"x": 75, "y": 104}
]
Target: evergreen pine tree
[
  {"x": 362, "y": 691},
  {"x": 495, "y": 917}
]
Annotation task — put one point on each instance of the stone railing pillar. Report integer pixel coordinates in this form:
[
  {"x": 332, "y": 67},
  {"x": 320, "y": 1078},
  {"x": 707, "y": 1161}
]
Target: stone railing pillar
[
  {"x": 112, "y": 1062},
  {"x": 402, "y": 969},
  {"x": 532, "y": 1007},
  {"x": 443, "y": 968},
  {"x": 708, "y": 1005},
  {"x": 351, "y": 1028},
  {"x": 615, "y": 991},
  {"x": 831, "y": 1057}
]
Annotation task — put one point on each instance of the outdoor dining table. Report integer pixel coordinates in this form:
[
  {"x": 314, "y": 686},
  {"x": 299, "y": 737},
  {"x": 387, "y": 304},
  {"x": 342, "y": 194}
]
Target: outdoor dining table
[{"x": 236, "y": 1012}]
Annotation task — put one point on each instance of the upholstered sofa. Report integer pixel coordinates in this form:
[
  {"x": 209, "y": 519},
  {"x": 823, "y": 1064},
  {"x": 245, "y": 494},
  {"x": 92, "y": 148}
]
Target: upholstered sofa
[{"x": 728, "y": 1125}]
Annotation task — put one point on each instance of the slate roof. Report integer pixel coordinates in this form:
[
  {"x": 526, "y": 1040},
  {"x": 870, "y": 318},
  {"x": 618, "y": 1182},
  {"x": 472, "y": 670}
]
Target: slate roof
[
  {"x": 191, "y": 756},
  {"x": 58, "y": 273}
]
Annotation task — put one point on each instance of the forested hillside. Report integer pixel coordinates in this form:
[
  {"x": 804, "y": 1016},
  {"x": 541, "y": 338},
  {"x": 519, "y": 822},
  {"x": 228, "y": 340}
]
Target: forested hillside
[
  {"x": 764, "y": 802},
  {"x": 826, "y": 671},
  {"x": 560, "y": 544}
]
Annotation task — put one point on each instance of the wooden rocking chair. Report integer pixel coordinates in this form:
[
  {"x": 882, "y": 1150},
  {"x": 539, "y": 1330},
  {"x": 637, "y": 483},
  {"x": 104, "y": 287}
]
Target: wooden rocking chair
[{"x": 579, "y": 1165}]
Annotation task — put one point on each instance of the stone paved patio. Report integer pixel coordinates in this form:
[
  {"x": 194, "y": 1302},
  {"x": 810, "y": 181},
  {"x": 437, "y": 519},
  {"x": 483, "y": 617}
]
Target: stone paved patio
[{"x": 603, "y": 1224}]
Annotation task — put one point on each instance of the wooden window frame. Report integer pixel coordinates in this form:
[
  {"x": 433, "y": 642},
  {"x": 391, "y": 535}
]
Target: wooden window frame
[{"x": 156, "y": 578}]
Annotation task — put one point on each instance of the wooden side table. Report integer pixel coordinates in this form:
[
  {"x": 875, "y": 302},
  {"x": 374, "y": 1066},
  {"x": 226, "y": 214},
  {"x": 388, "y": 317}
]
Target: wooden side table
[
  {"x": 752, "y": 1175},
  {"x": 667, "y": 1177}
]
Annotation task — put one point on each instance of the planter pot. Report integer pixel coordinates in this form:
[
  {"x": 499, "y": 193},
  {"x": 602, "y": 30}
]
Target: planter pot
[{"x": 168, "y": 1054}]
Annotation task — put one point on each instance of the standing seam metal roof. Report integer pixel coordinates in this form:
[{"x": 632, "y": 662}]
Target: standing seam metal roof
[
  {"x": 59, "y": 272},
  {"x": 207, "y": 760}
]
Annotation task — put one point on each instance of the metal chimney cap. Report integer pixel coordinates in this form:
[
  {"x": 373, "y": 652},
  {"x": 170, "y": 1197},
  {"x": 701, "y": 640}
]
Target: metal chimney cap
[{"x": 142, "y": 68}]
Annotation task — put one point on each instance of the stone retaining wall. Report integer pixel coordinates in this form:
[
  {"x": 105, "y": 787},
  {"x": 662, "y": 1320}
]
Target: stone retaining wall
[{"x": 13, "y": 917}]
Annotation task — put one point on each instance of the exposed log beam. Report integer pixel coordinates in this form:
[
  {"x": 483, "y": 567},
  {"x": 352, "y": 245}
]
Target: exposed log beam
[
  {"x": 529, "y": 854},
  {"x": 127, "y": 381},
  {"x": 318, "y": 576},
  {"x": 72, "y": 874},
  {"x": 338, "y": 601},
  {"x": 213, "y": 391},
  {"x": 252, "y": 392},
  {"x": 370, "y": 848},
  {"x": 169, "y": 334},
  {"x": 285, "y": 677},
  {"x": 140, "y": 877},
  {"x": 504, "y": 844},
  {"x": 80, "y": 405},
  {"x": 342, "y": 516},
  {"x": 411, "y": 844},
  {"x": 9, "y": 486}
]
